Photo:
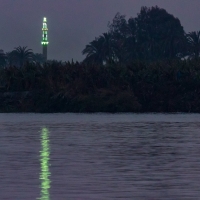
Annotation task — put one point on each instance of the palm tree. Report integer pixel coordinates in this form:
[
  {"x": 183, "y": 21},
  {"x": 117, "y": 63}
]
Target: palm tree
[
  {"x": 194, "y": 44},
  {"x": 93, "y": 52},
  {"x": 20, "y": 55},
  {"x": 100, "y": 50}
]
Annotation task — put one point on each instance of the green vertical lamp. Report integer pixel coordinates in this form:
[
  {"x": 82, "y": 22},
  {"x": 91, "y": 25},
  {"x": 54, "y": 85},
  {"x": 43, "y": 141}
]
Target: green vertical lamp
[{"x": 44, "y": 38}]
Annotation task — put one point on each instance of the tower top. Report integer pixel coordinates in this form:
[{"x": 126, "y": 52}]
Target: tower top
[{"x": 44, "y": 32}]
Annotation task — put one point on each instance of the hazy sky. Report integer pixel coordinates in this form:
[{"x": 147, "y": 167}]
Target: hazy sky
[{"x": 74, "y": 23}]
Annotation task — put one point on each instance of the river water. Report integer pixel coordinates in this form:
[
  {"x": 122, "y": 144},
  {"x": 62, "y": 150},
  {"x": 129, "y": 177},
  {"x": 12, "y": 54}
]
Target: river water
[{"x": 99, "y": 156}]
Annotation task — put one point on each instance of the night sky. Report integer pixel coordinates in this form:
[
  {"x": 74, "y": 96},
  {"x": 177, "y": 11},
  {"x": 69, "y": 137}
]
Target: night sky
[{"x": 74, "y": 23}]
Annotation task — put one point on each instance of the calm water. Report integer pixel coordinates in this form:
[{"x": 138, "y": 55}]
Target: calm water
[{"x": 99, "y": 156}]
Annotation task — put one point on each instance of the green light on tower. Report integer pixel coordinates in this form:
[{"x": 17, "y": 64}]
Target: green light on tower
[{"x": 44, "y": 38}]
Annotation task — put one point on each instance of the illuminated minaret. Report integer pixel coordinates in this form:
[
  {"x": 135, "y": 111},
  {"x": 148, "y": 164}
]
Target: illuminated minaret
[{"x": 45, "y": 38}]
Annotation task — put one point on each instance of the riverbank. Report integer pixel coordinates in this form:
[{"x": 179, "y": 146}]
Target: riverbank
[{"x": 172, "y": 86}]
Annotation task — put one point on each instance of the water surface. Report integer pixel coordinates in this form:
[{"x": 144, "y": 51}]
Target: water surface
[{"x": 99, "y": 156}]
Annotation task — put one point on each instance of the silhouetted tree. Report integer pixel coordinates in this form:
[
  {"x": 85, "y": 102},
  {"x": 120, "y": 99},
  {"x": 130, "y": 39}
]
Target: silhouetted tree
[
  {"x": 20, "y": 55},
  {"x": 194, "y": 44},
  {"x": 100, "y": 50},
  {"x": 159, "y": 34},
  {"x": 120, "y": 33},
  {"x": 153, "y": 35}
]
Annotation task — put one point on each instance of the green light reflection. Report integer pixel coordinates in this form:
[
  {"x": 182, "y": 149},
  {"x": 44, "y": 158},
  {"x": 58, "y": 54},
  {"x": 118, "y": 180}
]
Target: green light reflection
[{"x": 44, "y": 164}]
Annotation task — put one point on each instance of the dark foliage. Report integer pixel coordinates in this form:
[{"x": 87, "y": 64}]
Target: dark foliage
[
  {"x": 143, "y": 64},
  {"x": 151, "y": 36},
  {"x": 171, "y": 86}
]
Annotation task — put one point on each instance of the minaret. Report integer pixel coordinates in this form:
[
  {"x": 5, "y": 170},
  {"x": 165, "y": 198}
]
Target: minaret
[{"x": 44, "y": 38}]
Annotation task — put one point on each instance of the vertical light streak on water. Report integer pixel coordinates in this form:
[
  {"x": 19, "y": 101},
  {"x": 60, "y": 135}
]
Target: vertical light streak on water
[{"x": 44, "y": 163}]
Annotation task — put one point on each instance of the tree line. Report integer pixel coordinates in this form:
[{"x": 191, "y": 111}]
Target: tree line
[
  {"x": 19, "y": 56},
  {"x": 143, "y": 64},
  {"x": 151, "y": 36},
  {"x": 161, "y": 86}
]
